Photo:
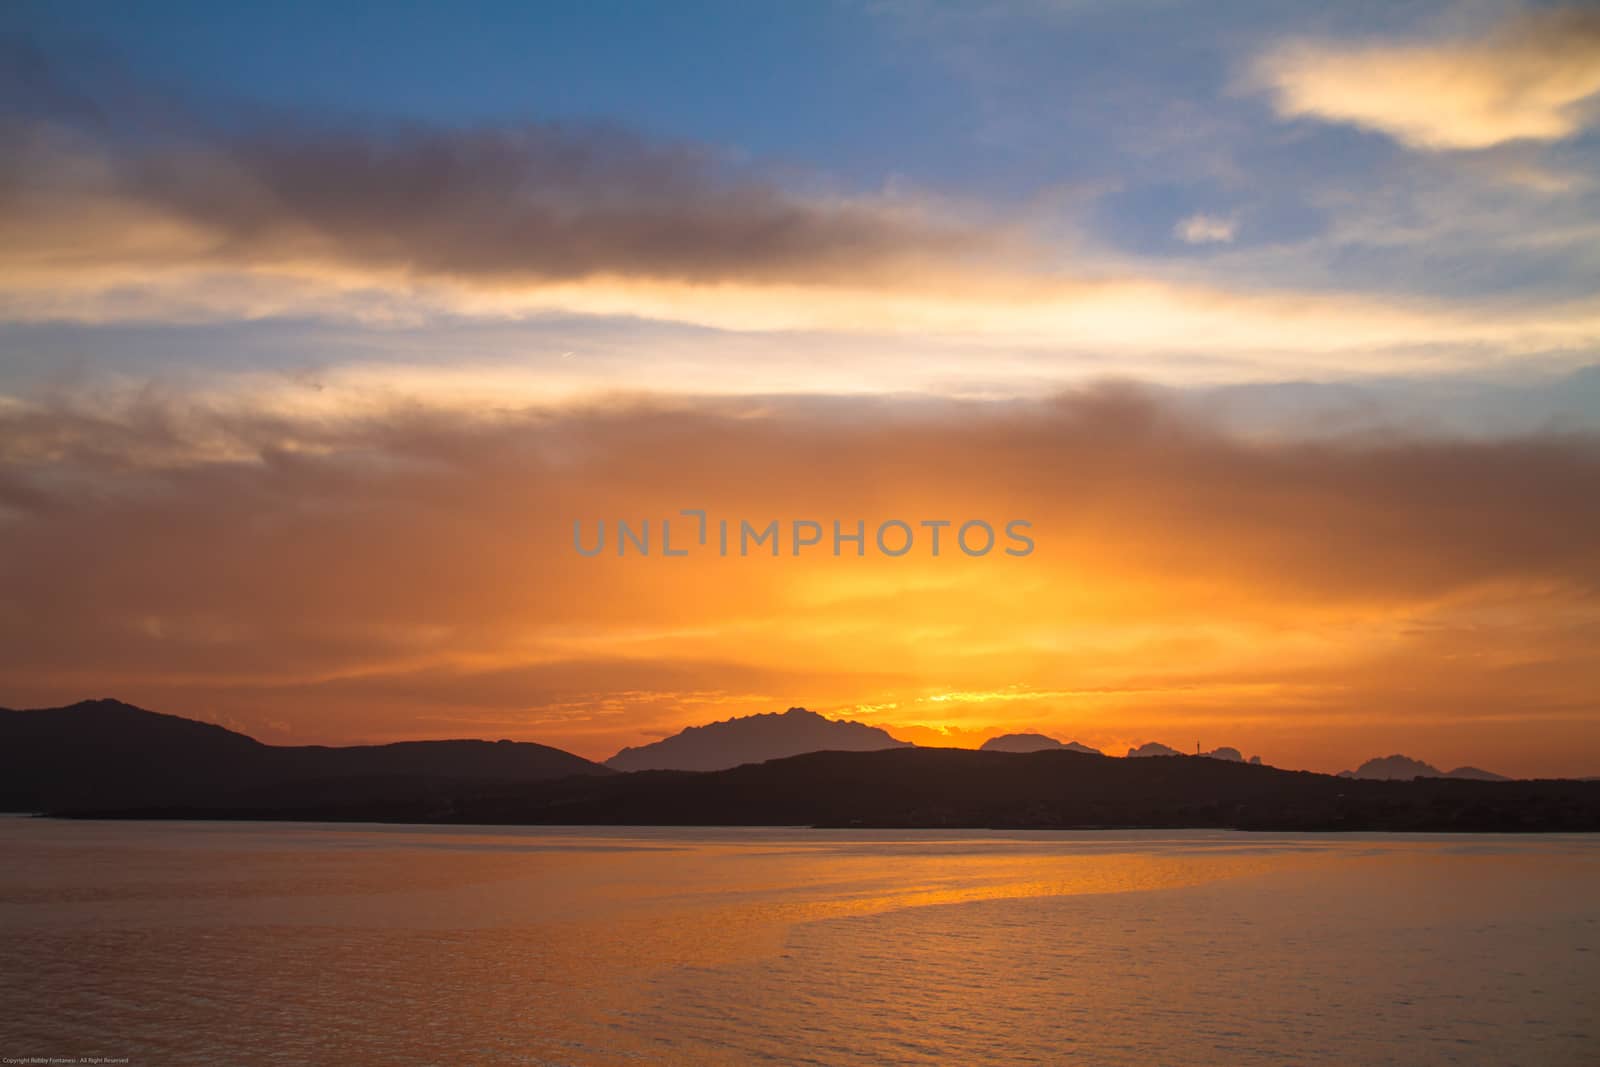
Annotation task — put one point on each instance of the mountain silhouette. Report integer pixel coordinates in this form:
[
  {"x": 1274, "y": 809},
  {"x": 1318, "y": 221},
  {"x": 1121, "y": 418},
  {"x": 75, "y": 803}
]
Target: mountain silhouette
[
  {"x": 101, "y": 752},
  {"x": 1404, "y": 768},
  {"x": 1225, "y": 752},
  {"x": 1153, "y": 748},
  {"x": 1033, "y": 743},
  {"x": 753, "y": 739},
  {"x": 111, "y": 760}
]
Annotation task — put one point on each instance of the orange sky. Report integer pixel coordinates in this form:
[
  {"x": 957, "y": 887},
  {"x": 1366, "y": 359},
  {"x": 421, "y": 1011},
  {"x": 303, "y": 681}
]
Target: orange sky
[{"x": 412, "y": 575}]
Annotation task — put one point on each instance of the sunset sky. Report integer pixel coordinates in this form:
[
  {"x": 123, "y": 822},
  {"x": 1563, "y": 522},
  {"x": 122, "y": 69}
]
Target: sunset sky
[{"x": 321, "y": 325}]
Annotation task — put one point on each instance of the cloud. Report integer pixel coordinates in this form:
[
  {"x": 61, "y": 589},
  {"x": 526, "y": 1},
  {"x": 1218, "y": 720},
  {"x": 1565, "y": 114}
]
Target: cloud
[
  {"x": 99, "y": 173},
  {"x": 117, "y": 210},
  {"x": 1527, "y": 80},
  {"x": 1205, "y": 229}
]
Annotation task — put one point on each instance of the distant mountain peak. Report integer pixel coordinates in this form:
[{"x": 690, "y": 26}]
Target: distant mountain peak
[
  {"x": 1032, "y": 742},
  {"x": 1224, "y": 752},
  {"x": 1404, "y": 768},
  {"x": 753, "y": 739},
  {"x": 1153, "y": 748}
]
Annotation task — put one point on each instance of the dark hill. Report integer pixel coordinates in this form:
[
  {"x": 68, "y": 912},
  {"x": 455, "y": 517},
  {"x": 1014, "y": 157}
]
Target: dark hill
[
  {"x": 954, "y": 788},
  {"x": 1397, "y": 766},
  {"x": 948, "y": 789},
  {"x": 107, "y": 754}
]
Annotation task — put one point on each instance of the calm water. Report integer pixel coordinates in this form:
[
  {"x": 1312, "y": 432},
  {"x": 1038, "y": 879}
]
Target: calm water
[{"x": 212, "y": 943}]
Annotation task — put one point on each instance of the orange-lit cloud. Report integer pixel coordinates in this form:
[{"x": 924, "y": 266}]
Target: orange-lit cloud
[
  {"x": 410, "y": 572},
  {"x": 1531, "y": 79}
]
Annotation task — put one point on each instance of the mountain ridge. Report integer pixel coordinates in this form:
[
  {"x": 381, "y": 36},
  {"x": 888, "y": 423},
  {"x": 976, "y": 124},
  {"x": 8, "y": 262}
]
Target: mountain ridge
[
  {"x": 1033, "y": 742},
  {"x": 756, "y": 738},
  {"x": 107, "y": 750},
  {"x": 944, "y": 788},
  {"x": 1398, "y": 767},
  {"x": 107, "y": 758}
]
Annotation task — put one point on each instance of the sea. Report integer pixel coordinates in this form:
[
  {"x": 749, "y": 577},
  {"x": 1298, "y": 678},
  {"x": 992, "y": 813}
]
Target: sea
[{"x": 314, "y": 943}]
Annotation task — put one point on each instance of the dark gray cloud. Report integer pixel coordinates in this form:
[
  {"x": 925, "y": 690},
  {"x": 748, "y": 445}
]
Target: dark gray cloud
[{"x": 535, "y": 201}]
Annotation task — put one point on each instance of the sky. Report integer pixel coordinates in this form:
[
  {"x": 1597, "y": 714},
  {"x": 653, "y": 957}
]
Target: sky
[{"x": 321, "y": 325}]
